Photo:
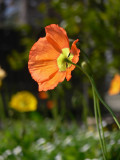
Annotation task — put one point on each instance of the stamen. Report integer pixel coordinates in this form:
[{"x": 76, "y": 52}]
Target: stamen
[
  {"x": 61, "y": 60},
  {"x": 66, "y": 65},
  {"x": 69, "y": 55}
]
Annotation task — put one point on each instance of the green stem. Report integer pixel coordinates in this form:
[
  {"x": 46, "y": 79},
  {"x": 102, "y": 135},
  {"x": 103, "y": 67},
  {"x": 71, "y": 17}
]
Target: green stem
[
  {"x": 97, "y": 122},
  {"x": 56, "y": 116},
  {"x": 108, "y": 108},
  {"x": 99, "y": 113},
  {"x": 98, "y": 95}
]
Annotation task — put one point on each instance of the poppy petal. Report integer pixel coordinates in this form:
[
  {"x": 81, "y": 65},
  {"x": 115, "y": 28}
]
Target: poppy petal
[
  {"x": 75, "y": 51},
  {"x": 42, "y": 62},
  {"x": 57, "y": 36},
  {"x": 53, "y": 82},
  {"x": 42, "y": 70},
  {"x": 68, "y": 72},
  {"x": 43, "y": 50}
]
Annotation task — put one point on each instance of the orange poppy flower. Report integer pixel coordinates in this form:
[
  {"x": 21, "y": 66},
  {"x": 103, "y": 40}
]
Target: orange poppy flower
[
  {"x": 115, "y": 85},
  {"x": 50, "y": 104},
  {"x": 47, "y": 58},
  {"x": 43, "y": 95}
]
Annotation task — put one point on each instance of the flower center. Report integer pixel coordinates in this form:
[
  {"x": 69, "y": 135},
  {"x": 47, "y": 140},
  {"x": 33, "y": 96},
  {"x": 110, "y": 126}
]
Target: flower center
[{"x": 62, "y": 64}]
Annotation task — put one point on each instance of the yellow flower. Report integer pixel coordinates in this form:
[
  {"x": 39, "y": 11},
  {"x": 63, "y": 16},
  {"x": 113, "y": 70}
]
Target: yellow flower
[
  {"x": 115, "y": 85},
  {"x": 23, "y": 101}
]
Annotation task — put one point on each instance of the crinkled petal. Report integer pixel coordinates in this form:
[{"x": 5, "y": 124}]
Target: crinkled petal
[
  {"x": 42, "y": 62},
  {"x": 75, "y": 51},
  {"x": 68, "y": 72},
  {"x": 57, "y": 36},
  {"x": 53, "y": 82}
]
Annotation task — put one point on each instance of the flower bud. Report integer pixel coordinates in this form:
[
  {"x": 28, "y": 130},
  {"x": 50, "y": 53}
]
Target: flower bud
[{"x": 86, "y": 67}]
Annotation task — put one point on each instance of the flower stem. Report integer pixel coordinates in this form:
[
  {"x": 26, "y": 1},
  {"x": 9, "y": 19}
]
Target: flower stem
[
  {"x": 96, "y": 91},
  {"x": 108, "y": 108},
  {"x": 86, "y": 69},
  {"x": 97, "y": 122},
  {"x": 102, "y": 131}
]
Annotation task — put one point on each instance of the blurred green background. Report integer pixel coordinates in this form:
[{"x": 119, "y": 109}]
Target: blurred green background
[{"x": 62, "y": 127}]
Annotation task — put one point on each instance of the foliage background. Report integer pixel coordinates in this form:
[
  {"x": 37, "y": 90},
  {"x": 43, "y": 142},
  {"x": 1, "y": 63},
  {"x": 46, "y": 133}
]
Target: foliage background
[{"x": 95, "y": 23}]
